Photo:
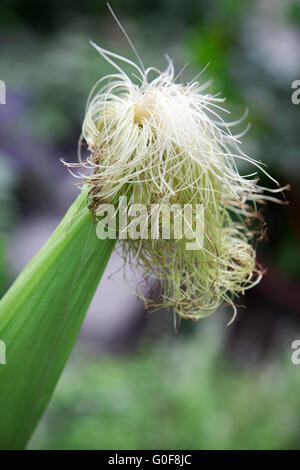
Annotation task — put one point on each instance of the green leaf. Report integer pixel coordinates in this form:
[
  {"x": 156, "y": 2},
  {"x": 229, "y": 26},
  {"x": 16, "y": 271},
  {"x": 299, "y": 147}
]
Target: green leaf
[{"x": 40, "y": 318}]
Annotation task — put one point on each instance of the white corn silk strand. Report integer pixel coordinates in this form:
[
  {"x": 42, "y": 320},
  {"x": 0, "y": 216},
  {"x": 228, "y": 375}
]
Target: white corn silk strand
[{"x": 156, "y": 141}]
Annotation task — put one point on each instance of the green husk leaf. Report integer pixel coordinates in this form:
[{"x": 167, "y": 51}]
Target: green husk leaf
[{"x": 40, "y": 318}]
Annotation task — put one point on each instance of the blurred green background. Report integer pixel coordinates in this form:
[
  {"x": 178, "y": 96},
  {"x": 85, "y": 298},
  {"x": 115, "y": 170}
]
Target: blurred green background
[{"x": 131, "y": 382}]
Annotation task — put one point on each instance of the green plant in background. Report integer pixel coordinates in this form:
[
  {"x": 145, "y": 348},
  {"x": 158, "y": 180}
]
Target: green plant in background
[{"x": 183, "y": 393}]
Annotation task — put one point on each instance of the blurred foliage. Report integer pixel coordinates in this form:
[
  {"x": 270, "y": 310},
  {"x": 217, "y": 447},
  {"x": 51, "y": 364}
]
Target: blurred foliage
[
  {"x": 181, "y": 395},
  {"x": 215, "y": 40},
  {"x": 50, "y": 16}
]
